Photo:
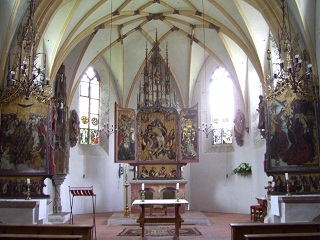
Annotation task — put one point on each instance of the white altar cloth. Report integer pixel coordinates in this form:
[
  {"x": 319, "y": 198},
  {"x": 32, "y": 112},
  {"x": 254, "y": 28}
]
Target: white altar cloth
[
  {"x": 294, "y": 208},
  {"x": 24, "y": 211}
]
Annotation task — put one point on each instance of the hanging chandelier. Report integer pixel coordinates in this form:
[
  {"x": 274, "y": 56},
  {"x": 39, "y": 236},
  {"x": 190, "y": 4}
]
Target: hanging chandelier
[
  {"x": 26, "y": 76},
  {"x": 290, "y": 70}
]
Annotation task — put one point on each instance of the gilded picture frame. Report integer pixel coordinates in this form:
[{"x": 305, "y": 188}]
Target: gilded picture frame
[
  {"x": 292, "y": 134},
  {"x": 158, "y": 135},
  {"x": 125, "y": 135}
]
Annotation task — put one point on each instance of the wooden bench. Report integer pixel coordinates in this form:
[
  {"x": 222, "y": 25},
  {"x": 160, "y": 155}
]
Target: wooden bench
[
  {"x": 239, "y": 230},
  {"x": 38, "y": 236},
  {"x": 283, "y": 236},
  {"x": 86, "y": 231}
]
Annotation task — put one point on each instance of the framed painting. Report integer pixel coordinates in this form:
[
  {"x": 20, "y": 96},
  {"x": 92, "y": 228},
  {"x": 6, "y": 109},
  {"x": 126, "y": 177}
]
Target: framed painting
[
  {"x": 16, "y": 187},
  {"x": 158, "y": 137},
  {"x": 125, "y": 135},
  {"x": 292, "y": 134},
  {"x": 157, "y": 171},
  {"x": 25, "y": 140},
  {"x": 189, "y": 135}
]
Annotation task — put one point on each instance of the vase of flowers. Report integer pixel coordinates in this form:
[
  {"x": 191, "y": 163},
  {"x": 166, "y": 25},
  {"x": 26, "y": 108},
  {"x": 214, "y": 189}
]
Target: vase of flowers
[{"x": 244, "y": 169}]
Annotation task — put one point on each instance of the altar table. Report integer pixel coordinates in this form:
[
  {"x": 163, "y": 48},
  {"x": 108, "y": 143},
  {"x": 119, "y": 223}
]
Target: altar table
[
  {"x": 294, "y": 208},
  {"x": 177, "y": 220},
  {"x": 20, "y": 211}
]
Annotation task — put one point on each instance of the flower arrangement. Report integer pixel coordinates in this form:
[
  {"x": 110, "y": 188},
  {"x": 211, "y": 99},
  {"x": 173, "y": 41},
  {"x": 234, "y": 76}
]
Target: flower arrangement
[{"x": 244, "y": 169}]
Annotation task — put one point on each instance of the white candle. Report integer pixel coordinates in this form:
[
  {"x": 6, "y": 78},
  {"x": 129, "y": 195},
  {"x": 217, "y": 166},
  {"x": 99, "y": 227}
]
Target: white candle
[
  {"x": 177, "y": 186},
  {"x": 28, "y": 180},
  {"x": 142, "y": 187},
  {"x": 287, "y": 176}
]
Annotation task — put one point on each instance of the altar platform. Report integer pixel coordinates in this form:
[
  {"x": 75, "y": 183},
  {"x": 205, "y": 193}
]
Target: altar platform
[{"x": 190, "y": 218}]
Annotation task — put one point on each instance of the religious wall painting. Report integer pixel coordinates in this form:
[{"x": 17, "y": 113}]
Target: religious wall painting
[
  {"x": 16, "y": 187},
  {"x": 189, "y": 134},
  {"x": 158, "y": 137},
  {"x": 157, "y": 171},
  {"x": 125, "y": 135},
  {"x": 299, "y": 183},
  {"x": 292, "y": 134},
  {"x": 25, "y": 142}
]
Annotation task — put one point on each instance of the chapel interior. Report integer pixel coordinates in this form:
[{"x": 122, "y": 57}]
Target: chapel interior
[{"x": 104, "y": 102}]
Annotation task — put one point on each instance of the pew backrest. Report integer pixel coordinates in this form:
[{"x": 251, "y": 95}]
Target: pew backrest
[
  {"x": 238, "y": 230},
  {"x": 47, "y": 229}
]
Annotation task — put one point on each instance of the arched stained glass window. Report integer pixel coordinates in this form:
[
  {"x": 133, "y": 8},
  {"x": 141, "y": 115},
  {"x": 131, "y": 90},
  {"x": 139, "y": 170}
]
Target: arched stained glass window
[
  {"x": 221, "y": 106},
  {"x": 89, "y": 103}
]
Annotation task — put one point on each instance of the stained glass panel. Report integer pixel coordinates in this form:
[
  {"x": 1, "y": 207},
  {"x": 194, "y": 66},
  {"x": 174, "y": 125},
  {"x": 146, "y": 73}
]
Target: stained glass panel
[
  {"x": 94, "y": 137},
  {"x": 217, "y": 136},
  {"x": 84, "y": 136},
  {"x": 227, "y": 136},
  {"x": 94, "y": 121}
]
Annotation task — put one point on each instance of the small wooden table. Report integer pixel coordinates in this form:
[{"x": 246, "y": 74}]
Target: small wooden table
[
  {"x": 264, "y": 204},
  {"x": 177, "y": 220}
]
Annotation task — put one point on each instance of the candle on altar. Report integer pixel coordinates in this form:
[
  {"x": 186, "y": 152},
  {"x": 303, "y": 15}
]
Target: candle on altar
[
  {"x": 142, "y": 187},
  {"x": 287, "y": 176},
  {"x": 177, "y": 186},
  {"x": 28, "y": 180}
]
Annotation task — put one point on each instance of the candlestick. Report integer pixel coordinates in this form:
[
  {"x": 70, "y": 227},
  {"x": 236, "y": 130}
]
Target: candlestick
[
  {"x": 136, "y": 172},
  {"x": 28, "y": 189},
  {"x": 177, "y": 195},
  {"x": 142, "y": 195}
]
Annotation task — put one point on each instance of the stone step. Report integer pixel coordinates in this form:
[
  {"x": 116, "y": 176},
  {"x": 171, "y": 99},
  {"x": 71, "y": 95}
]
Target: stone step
[{"x": 59, "y": 218}]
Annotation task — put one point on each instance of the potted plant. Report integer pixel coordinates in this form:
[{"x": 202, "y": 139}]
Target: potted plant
[{"x": 244, "y": 169}]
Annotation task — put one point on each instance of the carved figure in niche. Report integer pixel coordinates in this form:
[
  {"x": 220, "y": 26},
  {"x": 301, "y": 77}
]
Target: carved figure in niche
[
  {"x": 269, "y": 187},
  {"x": 60, "y": 112},
  {"x": 239, "y": 125},
  {"x": 54, "y": 115},
  {"x": 74, "y": 128},
  {"x": 261, "y": 109}
]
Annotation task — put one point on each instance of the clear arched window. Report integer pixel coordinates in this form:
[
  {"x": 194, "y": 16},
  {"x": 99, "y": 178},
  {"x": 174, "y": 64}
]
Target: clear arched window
[
  {"x": 89, "y": 103},
  {"x": 221, "y": 106}
]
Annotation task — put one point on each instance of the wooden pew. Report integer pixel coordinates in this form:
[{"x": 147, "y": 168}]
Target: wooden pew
[
  {"x": 10, "y": 236},
  {"x": 239, "y": 230},
  {"x": 283, "y": 236},
  {"x": 47, "y": 229}
]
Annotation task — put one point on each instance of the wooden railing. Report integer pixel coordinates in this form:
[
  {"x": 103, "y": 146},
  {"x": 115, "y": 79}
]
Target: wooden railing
[
  {"x": 46, "y": 231},
  {"x": 240, "y": 231}
]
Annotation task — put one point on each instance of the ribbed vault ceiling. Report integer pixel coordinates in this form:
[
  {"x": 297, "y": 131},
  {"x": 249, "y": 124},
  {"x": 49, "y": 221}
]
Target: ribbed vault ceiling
[{"x": 119, "y": 32}]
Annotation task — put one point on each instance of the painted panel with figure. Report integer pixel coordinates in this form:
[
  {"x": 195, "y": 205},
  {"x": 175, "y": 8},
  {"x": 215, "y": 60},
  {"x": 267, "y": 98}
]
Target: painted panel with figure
[
  {"x": 189, "y": 134},
  {"x": 24, "y": 137},
  {"x": 157, "y": 171},
  {"x": 158, "y": 134},
  {"x": 292, "y": 136},
  {"x": 125, "y": 123}
]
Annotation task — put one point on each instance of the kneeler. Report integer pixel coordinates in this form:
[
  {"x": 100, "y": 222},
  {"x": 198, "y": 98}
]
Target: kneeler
[{"x": 83, "y": 192}]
